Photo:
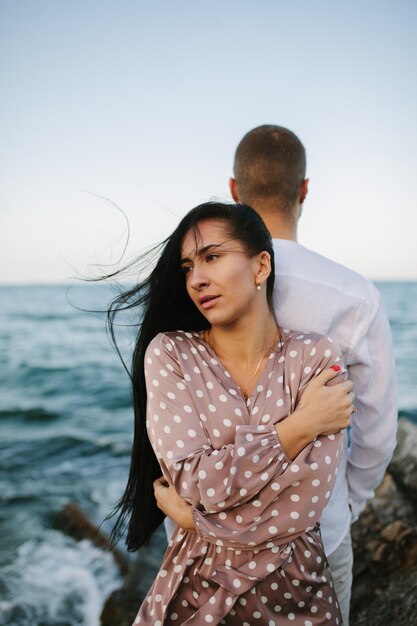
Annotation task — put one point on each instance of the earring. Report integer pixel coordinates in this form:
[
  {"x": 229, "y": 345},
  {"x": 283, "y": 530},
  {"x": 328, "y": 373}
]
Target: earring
[{"x": 258, "y": 286}]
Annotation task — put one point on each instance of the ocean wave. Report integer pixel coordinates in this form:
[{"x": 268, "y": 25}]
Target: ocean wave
[
  {"x": 410, "y": 414},
  {"x": 34, "y": 414},
  {"x": 55, "y": 580}
]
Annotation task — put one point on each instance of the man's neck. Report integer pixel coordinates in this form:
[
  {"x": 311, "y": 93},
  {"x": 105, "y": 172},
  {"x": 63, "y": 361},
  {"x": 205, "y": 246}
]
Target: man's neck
[{"x": 278, "y": 225}]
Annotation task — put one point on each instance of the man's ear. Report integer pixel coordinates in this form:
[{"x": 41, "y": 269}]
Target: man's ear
[
  {"x": 304, "y": 190},
  {"x": 233, "y": 189}
]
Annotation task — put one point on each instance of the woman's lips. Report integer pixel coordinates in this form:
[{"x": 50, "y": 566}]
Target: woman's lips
[{"x": 208, "y": 301}]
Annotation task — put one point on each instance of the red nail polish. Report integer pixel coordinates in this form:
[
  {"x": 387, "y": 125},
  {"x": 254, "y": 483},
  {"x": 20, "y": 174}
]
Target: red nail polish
[{"x": 336, "y": 368}]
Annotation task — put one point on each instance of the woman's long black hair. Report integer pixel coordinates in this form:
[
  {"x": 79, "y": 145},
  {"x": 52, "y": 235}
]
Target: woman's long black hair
[{"x": 163, "y": 305}]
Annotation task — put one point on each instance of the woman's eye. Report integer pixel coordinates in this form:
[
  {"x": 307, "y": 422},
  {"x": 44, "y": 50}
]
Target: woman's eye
[
  {"x": 186, "y": 268},
  {"x": 211, "y": 257}
]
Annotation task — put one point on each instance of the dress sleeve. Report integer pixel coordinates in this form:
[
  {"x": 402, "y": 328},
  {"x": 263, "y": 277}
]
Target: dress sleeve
[
  {"x": 292, "y": 500},
  {"x": 211, "y": 479}
]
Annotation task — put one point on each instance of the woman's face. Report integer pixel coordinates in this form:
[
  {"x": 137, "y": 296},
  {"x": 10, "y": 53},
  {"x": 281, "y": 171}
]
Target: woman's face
[{"x": 220, "y": 276}]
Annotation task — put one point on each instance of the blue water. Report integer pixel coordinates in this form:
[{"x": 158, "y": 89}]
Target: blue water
[{"x": 65, "y": 433}]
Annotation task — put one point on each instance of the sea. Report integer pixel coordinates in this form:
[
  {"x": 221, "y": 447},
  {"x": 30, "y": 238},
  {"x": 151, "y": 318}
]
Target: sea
[{"x": 65, "y": 436}]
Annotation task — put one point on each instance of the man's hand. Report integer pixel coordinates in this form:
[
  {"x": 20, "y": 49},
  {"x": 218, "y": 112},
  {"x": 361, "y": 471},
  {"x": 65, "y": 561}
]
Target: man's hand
[{"x": 172, "y": 504}]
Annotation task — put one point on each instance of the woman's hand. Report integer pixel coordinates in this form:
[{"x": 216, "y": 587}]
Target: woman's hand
[
  {"x": 324, "y": 409},
  {"x": 329, "y": 407},
  {"x": 172, "y": 504}
]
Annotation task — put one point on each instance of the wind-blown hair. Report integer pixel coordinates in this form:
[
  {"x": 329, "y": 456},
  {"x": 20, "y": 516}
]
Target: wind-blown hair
[{"x": 164, "y": 305}]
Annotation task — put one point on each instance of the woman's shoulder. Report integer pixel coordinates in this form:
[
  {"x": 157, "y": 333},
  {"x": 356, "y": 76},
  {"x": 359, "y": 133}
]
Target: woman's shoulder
[
  {"x": 168, "y": 340},
  {"x": 309, "y": 345}
]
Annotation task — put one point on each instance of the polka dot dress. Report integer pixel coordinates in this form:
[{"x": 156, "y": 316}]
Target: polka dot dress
[{"x": 256, "y": 557}]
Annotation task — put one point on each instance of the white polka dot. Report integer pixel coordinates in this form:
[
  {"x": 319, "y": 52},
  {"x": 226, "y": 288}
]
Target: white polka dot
[
  {"x": 295, "y": 498},
  {"x": 212, "y": 408},
  {"x": 270, "y": 567},
  {"x": 293, "y": 353},
  {"x": 287, "y": 595},
  {"x": 249, "y": 437},
  {"x": 243, "y": 492},
  {"x": 216, "y": 432},
  {"x": 247, "y": 474},
  {"x": 236, "y": 583},
  {"x": 307, "y": 554},
  {"x": 314, "y": 609},
  {"x": 256, "y": 614},
  {"x": 219, "y": 465},
  {"x": 327, "y": 460},
  {"x": 227, "y": 422},
  {"x": 210, "y": 492},
  {"x": 252, "y": 564},
  {"x": 209, "y": 618},
  {"x": 294, "y": 515},
  {"x": 291, "y": 616},
  {"x": 315, "y": 499},
  {"x": 264, "y": 476},
  {"x": 275, "y": 486},
  {"x": 222, "y": 397},
  {"x": 155, "y": 383},
  {"x": 273, "y": 530},
  {"x": 202, "y": 474},
  {"x": 177, "y": 419},
  {"x": 241, "y": 451},
  {"x": 294, "y": 468},
  {"x": 229, "y": 601},
  {"x": 317, "y": 444},
  {"x": 180, "y": 443},
  {"x": 327, "y": 353},
  {"x": 192, "y": 433},
  {"x": 171, "y": 395},
  {"x": 315, "y": 482}
]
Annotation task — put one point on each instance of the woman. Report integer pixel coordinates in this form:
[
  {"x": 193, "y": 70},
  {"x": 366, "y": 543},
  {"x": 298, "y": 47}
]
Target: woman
[{"x": 238, "y": 429}]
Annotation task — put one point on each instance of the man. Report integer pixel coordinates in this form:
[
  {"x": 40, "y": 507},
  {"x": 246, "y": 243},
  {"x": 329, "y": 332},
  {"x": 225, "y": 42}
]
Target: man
[{"x": 314, "y": 293}]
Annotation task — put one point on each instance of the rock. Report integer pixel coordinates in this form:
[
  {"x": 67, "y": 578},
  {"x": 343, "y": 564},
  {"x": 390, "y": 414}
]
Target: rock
[
  {"x": 74, "y": 522},
  {"x": 403, "y": 466},
  {"x": 123, "y": 604},
  {"x": 384, "y": 590}
]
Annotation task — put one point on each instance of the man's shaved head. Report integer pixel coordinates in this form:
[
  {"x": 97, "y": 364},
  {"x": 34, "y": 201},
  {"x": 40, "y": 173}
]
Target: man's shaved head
[{"x": 270, "y": 164}]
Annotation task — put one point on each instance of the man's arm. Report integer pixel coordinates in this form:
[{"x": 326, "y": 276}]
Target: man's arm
[{"x": 374, "y": 425}]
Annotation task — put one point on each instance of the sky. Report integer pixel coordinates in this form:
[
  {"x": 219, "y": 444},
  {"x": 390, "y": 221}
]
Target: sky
[{"x": 140, "y": 106}]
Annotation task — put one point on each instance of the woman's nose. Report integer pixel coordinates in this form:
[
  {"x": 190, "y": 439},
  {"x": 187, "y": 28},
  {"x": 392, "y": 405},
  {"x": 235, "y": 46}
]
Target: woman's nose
[{"x": 199, "y": 279}]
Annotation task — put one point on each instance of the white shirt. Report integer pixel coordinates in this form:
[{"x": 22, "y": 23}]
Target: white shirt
[{"x": 314, "y": 293}]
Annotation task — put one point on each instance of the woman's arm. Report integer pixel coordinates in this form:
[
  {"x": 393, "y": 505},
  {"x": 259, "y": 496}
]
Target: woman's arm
[
  {"x": 212, "y": 479},
  {"x": 321, "y": 409}
]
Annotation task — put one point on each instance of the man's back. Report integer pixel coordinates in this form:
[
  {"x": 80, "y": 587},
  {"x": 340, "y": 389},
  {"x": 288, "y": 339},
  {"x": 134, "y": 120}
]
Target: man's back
[{"x": 314, "y": 293}]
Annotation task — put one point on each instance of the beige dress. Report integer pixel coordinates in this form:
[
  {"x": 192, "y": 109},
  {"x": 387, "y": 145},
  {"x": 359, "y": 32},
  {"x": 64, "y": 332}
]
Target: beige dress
[{"x": 257, "y": 556}]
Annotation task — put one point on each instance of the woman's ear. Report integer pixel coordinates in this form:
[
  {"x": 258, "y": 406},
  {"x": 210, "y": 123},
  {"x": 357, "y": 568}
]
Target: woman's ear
[{"x": 263, "y": 269}]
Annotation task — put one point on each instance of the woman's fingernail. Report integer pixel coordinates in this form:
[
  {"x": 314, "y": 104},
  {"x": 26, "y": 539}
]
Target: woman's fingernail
[{"x": 336, "y": 368}]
